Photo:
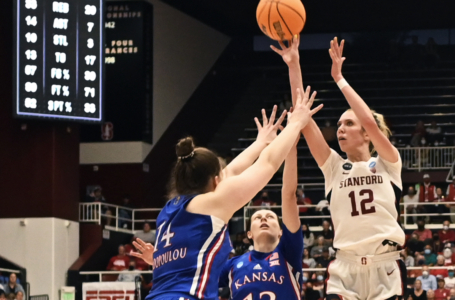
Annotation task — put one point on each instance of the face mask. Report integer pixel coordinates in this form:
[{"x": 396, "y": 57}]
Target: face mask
[
  {"x": 303, "y": 195},
  {"x": 425, "y": 274},
  {"x": 451, "y": 274},
  {"x": 131, "y": 268},
  {"x": 447, "y": 253},
  {"x": 427, "y": 251},
  {"x": 304, "y": 278},
  {"x": 445, "y": 227},
  {"x": 320, "y": 278}
]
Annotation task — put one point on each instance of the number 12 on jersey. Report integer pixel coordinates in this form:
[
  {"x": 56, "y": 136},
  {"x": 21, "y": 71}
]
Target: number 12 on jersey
[{"x": 363, "y": 203}]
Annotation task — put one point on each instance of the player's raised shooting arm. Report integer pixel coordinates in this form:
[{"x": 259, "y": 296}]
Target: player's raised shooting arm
[
  {"x": 381, "y": 142},
  {"x": 315, "y": 140},
  {"x": 290, "y": 210},
  {"x": 267, "y": 132}
]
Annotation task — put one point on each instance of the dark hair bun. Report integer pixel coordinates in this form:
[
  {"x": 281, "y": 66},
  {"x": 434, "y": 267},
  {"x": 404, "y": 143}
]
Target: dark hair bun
[{"x": 184, "y": 147}]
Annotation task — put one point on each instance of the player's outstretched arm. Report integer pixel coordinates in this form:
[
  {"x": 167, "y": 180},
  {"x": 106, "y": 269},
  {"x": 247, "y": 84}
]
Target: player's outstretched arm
[
  {"x": 315, "y": 140},
  {"x": 381, "y": 143},
  {"x": 234, "y": 192},
  {"x": 290, "y": 209},
  {"x": 267, "y": 132}
]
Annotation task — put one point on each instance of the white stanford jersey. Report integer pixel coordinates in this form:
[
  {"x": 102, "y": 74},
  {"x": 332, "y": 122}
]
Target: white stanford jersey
[{"x": 364, "y": 203}]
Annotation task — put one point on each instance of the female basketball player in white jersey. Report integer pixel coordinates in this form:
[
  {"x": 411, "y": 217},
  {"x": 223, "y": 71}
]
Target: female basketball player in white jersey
[
  {"x": 273, "y": 270},
  {"x": 363, "y": 192},
  {"x": 192, "y": 242}
]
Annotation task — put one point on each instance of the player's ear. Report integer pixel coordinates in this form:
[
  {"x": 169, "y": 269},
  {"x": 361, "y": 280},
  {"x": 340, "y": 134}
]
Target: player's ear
[
  {"x": 249, "y": 234},
  {"x": 217, "y": 181},
  {"x": 281, "y": 234}
]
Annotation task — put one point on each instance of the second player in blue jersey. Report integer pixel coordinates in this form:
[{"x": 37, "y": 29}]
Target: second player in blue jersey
[{"x": 273, "y": 270}]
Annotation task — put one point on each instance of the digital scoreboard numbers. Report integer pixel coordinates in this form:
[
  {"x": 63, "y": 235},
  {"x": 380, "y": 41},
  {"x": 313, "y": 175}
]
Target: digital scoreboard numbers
[{"x": 59, "y": 59}]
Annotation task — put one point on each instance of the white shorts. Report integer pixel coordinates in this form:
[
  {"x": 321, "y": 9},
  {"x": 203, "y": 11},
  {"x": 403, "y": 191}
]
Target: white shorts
[{"x": 373, "y": 277}]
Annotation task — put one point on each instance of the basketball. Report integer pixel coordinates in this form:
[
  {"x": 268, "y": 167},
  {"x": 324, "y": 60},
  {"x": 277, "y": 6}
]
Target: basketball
[{"x": 281, "y": 19}]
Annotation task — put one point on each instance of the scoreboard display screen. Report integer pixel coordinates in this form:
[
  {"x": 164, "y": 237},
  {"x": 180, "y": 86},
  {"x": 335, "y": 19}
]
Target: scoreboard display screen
[{"x": 59, "y": 59}]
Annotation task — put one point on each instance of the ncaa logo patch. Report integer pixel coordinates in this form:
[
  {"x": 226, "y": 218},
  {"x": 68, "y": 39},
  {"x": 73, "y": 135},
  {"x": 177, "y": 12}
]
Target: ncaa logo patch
[
  {"x": 347, "y": 166},
  {"x": 239, "y": 265}
]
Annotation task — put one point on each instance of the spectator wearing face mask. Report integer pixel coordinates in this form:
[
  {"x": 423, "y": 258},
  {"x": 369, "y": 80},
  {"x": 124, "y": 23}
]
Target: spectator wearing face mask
[
  {"x": 318, "y": 284},
  {"x": 414, "y": 244},
  {"x": 264, "y": 200},
  {"x": 446, "y": 235},
  {"x": 440, "y": 263},
  {"x": 430, "y": 257},
  {"x": 422, "y": 232},
  {"x": 448, "y": 255},
  {"x": 127, "y": 275},
  {"x": 441, "y": 293},
  {"x": 428, "y": 280},
  {"x": 450, "y": 280}
]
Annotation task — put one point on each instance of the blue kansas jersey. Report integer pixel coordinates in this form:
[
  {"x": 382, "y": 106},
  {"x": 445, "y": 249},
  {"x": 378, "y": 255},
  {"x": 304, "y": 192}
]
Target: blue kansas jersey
[
  {"x": 190, "y": 251},
  {"x": 267, "y": 276}
]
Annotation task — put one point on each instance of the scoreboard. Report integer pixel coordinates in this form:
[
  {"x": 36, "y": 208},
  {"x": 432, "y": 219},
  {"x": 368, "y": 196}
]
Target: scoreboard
[{"x": 59, "y": 59}]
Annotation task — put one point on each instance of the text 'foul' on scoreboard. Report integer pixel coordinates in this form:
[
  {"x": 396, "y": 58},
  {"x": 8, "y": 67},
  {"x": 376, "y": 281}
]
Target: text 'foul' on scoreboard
[{"x": 59, "y": 59}]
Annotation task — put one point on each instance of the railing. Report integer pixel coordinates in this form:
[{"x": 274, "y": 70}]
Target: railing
[
  {"x": 117, "y": 217},
  {"x": 427, "y": 158},
  {"x": 101, "y": 273}
]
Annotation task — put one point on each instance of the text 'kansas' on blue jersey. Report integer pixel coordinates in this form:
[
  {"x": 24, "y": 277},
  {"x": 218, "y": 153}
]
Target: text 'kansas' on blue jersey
[
  {"x": 190, "y": 251},
  {"x": 267, "y": 276}
]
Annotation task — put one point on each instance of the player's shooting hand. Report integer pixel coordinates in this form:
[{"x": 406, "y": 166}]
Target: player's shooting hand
[
  {"x": 289, "y": 54},
  {"x": 267, "y": 132},
  {"x": 336, "y": 53},
  {"x": 145, "y": 251}
]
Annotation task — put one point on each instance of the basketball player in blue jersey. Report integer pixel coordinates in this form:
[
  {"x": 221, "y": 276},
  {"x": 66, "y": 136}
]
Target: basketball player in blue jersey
[
  {"x": 363, "y": 192},
  {"x": 192, "y": 242},
  {"x": 273, "y": 270}
]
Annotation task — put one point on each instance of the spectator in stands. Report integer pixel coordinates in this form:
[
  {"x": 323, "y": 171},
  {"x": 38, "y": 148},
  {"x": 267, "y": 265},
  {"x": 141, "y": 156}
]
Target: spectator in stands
[
  {"x": 418, "y": 293},
  {"x": 327, "y": 233},
  {"x": 422, "y": 233},
  {"x": 446, "y": 235},
  {"x": 125, "y": 213},
  {"x": 411, "y": 200},
  {"x": 127, "y": 275},
  {"x": 452, "y": 294},
  {"x": 433, "y": 133},
  {"x": 2, "y": 295},
  {"x": 407, "y": 258},
  {"x": 428, "y": 281},
  {"x": 11, "y": 296},
  {"x": 96, "y": 196},
  {"x": 430, "y": 257},
  {"x": 310, "y": 262},
  {"x": 316, "y": 251},
  {"x": 323, "y": 208},
  {"x": 119, "y": 262},
  {"x": 308, "y": 236},
  {"x": 147, "y": 234},
  {"x": 427, "y": 194},
  {"x": 419, "y": 133},
  {"x": 12, "y": 286},
  {"x": 450, "y": 281},
  {"x": 448, "y": 255},
  {"x": 415, "y": 245},
  {"x": 303, "y": 200},
  {"x": 441, "y": 293},
  {"x": 430, "y": 295},
  {"x": 19, "y": 296},
  {"x": 325, "y": 259},
  {"x": 264, "y": 200},
  {"x": 440, "y": 272}
]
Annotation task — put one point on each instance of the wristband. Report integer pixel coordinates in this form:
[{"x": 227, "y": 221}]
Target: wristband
[{"x": 342, "y": 83}]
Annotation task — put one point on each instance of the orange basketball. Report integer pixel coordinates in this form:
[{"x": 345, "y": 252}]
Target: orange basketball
[{"x": 281, "y": 19}]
